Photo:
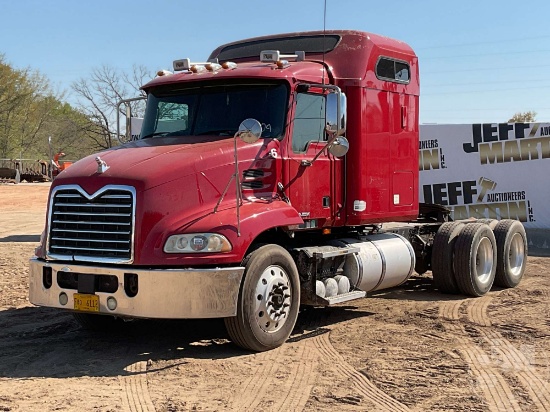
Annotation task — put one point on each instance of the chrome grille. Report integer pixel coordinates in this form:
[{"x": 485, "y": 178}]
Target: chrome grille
[{"x": 96, "y": 228}]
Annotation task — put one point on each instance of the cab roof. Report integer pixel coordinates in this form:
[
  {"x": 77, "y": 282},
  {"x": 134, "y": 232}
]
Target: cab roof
[{"x": 348, "y": 55}]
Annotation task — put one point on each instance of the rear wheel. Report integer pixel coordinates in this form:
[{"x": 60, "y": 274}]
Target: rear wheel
[
  {"x": 442, "y": 257},
  {"x": 475, "y": 255},
  {"x": 489, "y": 222},
  {"x": 268, "y": 300},
  {"x": 511, "y": 253}
]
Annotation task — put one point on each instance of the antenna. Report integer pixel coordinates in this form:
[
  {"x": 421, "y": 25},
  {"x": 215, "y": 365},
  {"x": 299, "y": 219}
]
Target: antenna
[{"x": 324, "y": 38}]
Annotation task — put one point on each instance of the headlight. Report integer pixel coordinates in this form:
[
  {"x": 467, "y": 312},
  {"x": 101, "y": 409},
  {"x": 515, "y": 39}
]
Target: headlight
[{"x": 197, "y": 243}]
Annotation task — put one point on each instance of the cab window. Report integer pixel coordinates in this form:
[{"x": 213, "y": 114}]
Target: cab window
[
  {"x": 392, "y": 70},
  {"x": 309, "y": 121}
]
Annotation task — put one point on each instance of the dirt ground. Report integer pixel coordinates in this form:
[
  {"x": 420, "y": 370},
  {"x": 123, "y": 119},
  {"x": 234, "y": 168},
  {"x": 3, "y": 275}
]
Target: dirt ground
[{"x": 409, "y": 348}]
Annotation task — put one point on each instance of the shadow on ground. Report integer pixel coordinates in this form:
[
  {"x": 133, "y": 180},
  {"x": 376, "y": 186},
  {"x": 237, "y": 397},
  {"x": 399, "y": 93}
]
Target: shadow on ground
[
  {"x": 45, "y": 342},
  {"x": 21, "y": 238}
]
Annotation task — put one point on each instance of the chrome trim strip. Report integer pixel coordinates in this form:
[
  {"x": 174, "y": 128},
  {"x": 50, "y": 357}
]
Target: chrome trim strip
[
  {"x": 76, "y": 222},
  {"x": 90, "y": 240},
  {"x": 83, "y": 259},
  {"x": 384, "y": 265},
  {"x": 91, "y": 214},
  {"x": 89, "y": 231},
  {"x": 90, "y": 205}
]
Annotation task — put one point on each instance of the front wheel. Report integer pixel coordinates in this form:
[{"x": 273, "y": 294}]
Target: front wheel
[{"x": 269, "y": 299}]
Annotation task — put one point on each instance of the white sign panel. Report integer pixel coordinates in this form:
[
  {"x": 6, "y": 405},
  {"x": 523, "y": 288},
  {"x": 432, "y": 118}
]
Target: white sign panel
[{"x": 488, "y": 170}]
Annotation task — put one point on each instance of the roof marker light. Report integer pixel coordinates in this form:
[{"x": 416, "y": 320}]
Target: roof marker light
[
  {"x": 282, "y": 64},
  {"x": 213, "y": 67},
  {"x": 164, "y": 72},
  {"x": 186, "y": 64},
  {"x": 229, "y": 65},
  {"x": 197, "y": 68}
]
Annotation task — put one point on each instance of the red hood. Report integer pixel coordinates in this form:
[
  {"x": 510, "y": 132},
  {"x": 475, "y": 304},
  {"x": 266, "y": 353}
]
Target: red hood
[
  {"x": 178, "y": 183},
  {"x": 150, "y": 162}
]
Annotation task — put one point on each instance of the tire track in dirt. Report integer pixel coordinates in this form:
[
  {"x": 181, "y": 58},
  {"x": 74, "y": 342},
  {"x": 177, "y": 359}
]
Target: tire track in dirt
[
  {"x": 254, "y": 387},
  {"x": 330, "y": 356},
  {"x": 283, "y": 379},
  {"x": 285, "y": 376},
  {"x": 363, "y": 385},
  {"x": 135, "y": 396},
  {"x": 476, "y": 310},
  {"x": 490, "y": 382},
  {"x": 299, "y": 385},
  {"x": 291, "y": 369},
  {"x": 510, "y": 359},
  {"x": 450, "y": 310}
]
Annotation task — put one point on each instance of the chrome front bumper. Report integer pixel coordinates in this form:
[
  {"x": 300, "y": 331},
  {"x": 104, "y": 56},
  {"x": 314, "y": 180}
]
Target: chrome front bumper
[{"x": 162, "y": 293}]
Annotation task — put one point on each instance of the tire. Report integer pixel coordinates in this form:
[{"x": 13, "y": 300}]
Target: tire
[
  {"x": 475, "y": 253},
  {"x": 99, "y": 323},
  {"x": 511, "y": 253},
  {"x": 269, "y": 300},
  {"x": 442, "y": 257},
  {"x": 489, "y": 222}
]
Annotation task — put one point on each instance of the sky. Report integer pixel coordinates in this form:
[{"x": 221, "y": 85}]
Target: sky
[{"x": 480, "y": 61}]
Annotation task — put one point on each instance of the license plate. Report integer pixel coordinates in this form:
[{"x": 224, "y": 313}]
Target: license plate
[{"x": 86, "y": 303}]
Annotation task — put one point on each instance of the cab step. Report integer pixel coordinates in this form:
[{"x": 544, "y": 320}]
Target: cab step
[{"x": 344, "y": 297}]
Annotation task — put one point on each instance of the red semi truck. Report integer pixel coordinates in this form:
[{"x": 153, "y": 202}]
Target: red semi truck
[{"x": 241, "y": 201}]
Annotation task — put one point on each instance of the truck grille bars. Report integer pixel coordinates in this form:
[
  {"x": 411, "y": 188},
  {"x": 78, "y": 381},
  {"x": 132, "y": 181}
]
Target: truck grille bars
[{"x": 92, "y": 228}]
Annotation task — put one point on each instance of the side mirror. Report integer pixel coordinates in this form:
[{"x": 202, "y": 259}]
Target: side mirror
[
  {"x": 339, "y": 147},
  {"x": 250, "y": 130},
  {"x": 128, "y": 112},
  {"x": 336, "y": 113}
]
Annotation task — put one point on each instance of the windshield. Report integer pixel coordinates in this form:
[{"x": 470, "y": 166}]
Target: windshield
[{"x": 214, "y": 109}]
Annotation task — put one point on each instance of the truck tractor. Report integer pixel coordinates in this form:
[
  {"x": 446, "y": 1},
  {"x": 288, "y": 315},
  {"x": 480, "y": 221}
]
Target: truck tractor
[{"x": 280, "y": 173}]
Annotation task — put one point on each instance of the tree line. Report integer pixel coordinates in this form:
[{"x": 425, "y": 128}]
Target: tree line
[{"x": 31, "y": 112}]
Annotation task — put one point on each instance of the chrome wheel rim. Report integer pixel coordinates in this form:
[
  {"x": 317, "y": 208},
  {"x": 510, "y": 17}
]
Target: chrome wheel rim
[
  {"x": 273, "y": 299},
  {"x": 484, "y": 261},
  {"x": 516, "y": 255}
]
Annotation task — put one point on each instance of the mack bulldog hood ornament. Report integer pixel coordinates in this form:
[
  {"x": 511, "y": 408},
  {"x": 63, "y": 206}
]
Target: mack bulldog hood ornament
[{"x": 101, "y": 165}]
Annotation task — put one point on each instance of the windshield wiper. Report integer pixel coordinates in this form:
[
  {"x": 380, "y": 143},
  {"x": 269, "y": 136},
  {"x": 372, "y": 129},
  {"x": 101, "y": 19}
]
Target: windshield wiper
[
  {"x": 155, "y": 134},
  {"x": 219, "y": 132}
]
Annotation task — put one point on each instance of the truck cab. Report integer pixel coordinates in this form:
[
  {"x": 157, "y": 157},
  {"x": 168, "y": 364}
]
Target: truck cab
[{"x": 240, "y": 200}]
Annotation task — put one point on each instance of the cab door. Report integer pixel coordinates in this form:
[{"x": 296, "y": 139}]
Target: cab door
[{"x": 313, "y": 187}]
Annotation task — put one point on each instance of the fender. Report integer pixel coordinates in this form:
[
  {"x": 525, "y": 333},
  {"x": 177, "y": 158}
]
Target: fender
[{"x": 256, "y": 217}]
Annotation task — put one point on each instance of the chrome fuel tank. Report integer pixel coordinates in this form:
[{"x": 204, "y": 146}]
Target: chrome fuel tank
[{"x": 384, "y": 260}]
